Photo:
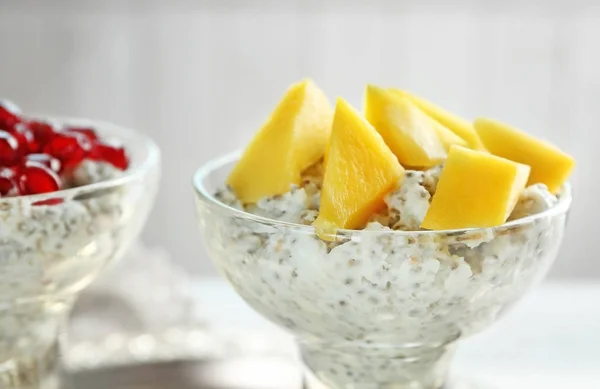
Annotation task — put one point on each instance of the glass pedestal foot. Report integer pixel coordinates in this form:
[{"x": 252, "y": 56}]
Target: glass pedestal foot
[
  {"x": 360, "y": 366},
  {"x": 311, "y": 382},
  {"x": 34, "y": 372}
]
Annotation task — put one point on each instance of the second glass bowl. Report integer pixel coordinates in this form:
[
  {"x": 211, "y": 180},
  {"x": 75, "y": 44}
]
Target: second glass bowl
[{"x": 376, "y": 308}]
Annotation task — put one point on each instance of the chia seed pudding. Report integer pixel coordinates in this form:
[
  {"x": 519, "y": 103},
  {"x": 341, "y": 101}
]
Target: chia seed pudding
[
  {"x": 52, "y": 242},
  {"x": 46, "y": 251},
  {"x": 381, "y": 304}
]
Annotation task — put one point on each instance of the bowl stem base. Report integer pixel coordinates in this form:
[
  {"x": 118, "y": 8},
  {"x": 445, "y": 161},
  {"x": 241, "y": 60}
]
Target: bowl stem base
[
  {"x": 36, "y": 372},
  {"x": 349, "y": 366},
  {"x": 30, "y": 344}
]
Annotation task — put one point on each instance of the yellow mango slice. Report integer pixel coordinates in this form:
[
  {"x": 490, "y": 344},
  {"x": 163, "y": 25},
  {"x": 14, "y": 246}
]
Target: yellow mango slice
[
  {"x": 447, "y": 137},
  {"x": 549, "y": 165},
  {"x": 476, "y": 189},
  {"x": 293, "y": 138},
  {"x": 361, "y": 169},
  {"x": 408, "y": 131},
  {"x": 457, "y": 125}
]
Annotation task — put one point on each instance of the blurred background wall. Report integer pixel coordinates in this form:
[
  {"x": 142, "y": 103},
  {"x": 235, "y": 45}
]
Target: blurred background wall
[{"x": 200, "y": 77}]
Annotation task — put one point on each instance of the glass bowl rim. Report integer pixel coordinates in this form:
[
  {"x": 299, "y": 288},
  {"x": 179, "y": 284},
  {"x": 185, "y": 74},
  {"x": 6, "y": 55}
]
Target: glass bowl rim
[
  {"x": 133, "y": 173},
  {"x": 563, "y": 205}
]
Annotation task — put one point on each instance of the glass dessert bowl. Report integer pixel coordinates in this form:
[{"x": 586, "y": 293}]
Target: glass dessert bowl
[
  {"x": 52, "y": 245},
  {"x": 374, "y": 308}
]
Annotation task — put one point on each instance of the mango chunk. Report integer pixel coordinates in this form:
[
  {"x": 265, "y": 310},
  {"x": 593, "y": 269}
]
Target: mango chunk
[
  {"x": 549, "y": 165},
  {"x": 447, "y": 137},
  {"x": 476, "y": 189},
  {"x": 410, "y": 133},
  {"x": 361, "y": 169},
  {"x": 293, "y": 138},
  {"x": 457, "y": 125}
]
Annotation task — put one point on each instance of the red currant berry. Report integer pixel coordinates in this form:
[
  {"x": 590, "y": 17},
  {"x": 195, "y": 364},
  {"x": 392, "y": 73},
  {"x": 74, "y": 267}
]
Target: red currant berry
[
  {"x": 9, "y": 115},
  {"x": 8, "y": 182},
  {"x": 43, "y": 159},
  {"x": 89, "y": 132},
  {"x": 9, "y": 149},
  {"x": 54, "y": 201},
  {"x": 36, "y": 178},
  {"x": 43, "y": 132},
  {"x": 25, "y": 137},
  {"x": 116, "y": 156},
  {"x": 69, "y": 148}
]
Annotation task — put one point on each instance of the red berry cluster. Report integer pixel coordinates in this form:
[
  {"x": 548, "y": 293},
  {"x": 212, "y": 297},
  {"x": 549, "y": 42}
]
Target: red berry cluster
[{"x": 36, "y": 157}]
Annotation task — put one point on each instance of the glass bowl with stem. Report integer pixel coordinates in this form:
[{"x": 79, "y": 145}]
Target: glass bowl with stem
[
  {"x": 375, "y": 308},
  {"x": 53, "y": 245}
]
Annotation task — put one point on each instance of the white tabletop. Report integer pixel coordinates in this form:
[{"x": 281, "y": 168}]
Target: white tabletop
[{"x": 549, "y": 341}]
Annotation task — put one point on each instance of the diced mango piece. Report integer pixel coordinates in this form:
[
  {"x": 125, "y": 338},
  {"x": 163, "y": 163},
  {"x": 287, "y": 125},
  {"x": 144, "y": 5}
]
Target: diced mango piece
[
  {"x": 293, "y": 138},
  {"x": 361, "y": 169},
  {"x": 408, "y": 131},
  {"x": 549, "y": 165},
  {"x": 458, "y": 125},
  {"x": 476, "y": 189},
  {"x": 447, "y": 137}
]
